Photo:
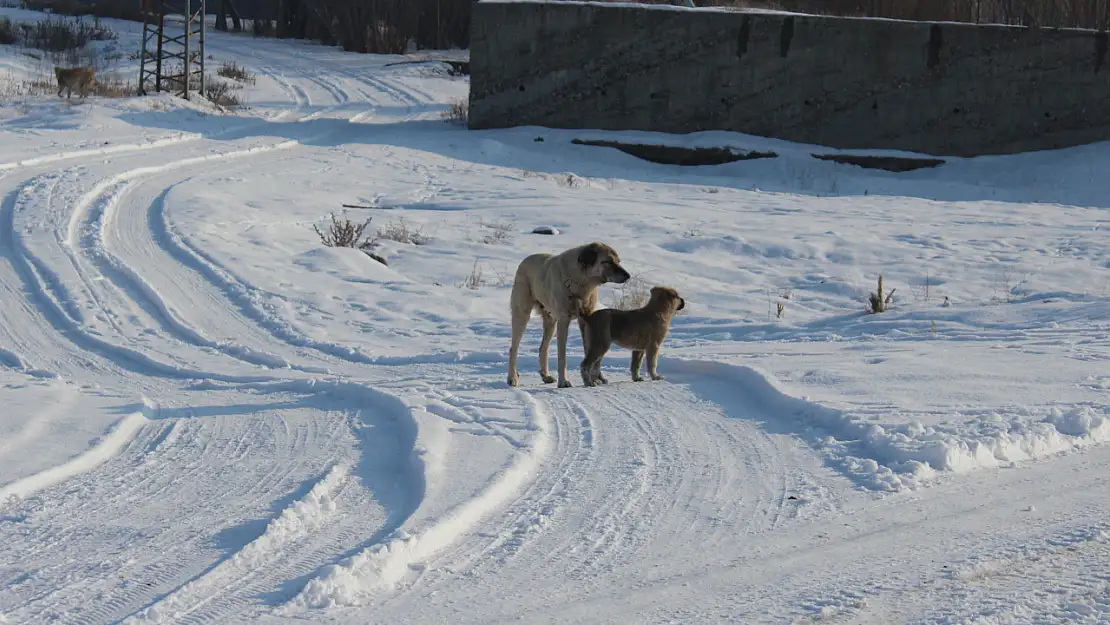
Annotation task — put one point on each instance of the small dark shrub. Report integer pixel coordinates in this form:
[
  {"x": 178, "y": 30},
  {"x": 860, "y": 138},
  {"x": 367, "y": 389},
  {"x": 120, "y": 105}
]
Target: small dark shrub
[
  {"x": 221, "y": 93},
  {"x": 345, "y": 233},
  {"x": 235, "y": 71}
]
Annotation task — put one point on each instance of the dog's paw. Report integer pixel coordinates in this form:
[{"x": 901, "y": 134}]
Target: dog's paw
[
  {"x": 547, "y": 378},
  {"x": 602, "y": 379},
  {"x": 638, "y": 378},
  {"x": 565, "y": 384},
  {"x": 657, "y": 377},
  {"x": 513, "y": 380}
]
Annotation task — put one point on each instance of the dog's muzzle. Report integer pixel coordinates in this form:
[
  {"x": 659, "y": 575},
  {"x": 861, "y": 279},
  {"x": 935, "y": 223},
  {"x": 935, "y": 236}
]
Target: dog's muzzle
[
  {"x": 681, "y": 303},
  {"x": 618, "y": 275}
]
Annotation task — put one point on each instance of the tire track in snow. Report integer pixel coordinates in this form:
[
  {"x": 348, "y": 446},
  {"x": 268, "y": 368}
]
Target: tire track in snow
[
  {"x": 365, "y": 576},
  {"x": 39, "y": 282},
  {"x": 645, "y": 473},
  {"x": 246, "y": 297},
  {"x": 295, "y": 523},
  {"x": 108, "y": 446},
  {"x": 105, "y": 203},
  {"x": 192, "y": 481}
]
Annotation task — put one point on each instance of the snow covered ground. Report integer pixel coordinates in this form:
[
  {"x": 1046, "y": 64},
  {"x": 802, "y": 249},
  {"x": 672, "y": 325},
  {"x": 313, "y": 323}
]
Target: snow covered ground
[{"x": 211, "y": 417}]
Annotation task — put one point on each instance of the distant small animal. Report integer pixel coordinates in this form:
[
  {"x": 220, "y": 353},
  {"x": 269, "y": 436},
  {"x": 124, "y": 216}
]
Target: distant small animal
[
  {"x": 81, "y": 78},
  {"x": 559, "y": 286},
  {"x": 642, "y": 330}
]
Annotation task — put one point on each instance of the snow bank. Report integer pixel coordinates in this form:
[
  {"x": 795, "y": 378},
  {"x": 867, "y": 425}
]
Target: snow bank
[{"x": 903, "y": 452}]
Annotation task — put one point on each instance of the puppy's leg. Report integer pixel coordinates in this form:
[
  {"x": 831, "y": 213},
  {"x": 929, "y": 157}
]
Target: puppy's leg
[
  {"x": 595, "y": 370},
  {"x": 563, "y": 329},
  {"x": 653, "y": 361},
  {"x": 599, "y": 345},
  {"x": 637, "y": 359},
  {"x": 545, "y": 344},
  {"x": 520, "y": 323}
]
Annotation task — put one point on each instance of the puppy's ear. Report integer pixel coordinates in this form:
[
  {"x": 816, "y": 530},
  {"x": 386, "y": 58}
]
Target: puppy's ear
[{"x": 588, "y": 256}]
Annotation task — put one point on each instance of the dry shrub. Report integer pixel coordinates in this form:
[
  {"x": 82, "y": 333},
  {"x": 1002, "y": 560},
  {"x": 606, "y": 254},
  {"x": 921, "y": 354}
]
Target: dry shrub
[
  {"x": 115, "y": 88},
  {"x": 222, "y": 93},
  {"x": 457, "y": 112},
  {"x": 59, "y": 35},
  {"x": 475, "y": 280},
  {"x": 633, "y": 294},
  {"x": 342, "y": 233},
  {"x": 237, "y": 72},
  {"x": 118, "y": 9},
  {"x": 401, "y": 232},
  {"x": 499, "y": 232},
  {"x": 110, "y": 87}
]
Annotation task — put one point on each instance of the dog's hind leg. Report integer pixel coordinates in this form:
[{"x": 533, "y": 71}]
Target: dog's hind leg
[
  {"x": 545, "y": 345},
  {"x": 637, "y": 360},
  {"x": 520, "y": 323},
  {"x": 562, "y": 330}
]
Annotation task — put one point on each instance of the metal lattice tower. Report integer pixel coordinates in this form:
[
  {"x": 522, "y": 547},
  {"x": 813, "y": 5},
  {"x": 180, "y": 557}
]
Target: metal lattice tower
[{"x": 173, "y": 47}]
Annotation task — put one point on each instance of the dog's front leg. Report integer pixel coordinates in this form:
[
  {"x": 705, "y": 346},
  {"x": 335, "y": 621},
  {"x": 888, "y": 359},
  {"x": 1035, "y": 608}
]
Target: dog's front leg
[
  {"x": 653, "y": 362},
  {"x": 562, "y": 331}
]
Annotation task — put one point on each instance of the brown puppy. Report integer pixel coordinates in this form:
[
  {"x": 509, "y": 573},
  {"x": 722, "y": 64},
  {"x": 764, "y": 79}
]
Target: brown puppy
[
  {"x": 80, "y": 77},
  {"x": 641, "y": 330},
  {"x": 559, "y": 286}
]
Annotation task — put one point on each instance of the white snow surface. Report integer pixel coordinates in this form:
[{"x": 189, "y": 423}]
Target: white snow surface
[{"x": 210, "y": 417}]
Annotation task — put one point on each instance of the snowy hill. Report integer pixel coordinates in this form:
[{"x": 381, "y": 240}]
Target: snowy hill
[{"x": 209, "y": 416}]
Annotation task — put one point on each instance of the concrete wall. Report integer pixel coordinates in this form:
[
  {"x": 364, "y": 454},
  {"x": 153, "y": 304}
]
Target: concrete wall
[{"x": 945, "y": 89}]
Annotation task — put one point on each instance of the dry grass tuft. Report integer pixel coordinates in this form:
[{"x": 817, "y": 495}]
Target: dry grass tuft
[
  {"x": 401, "y": 232},
  {"x": 632, "y": 294},
  {"x": 342, "y": 233},
  {"x": 457, "y": 113},
  {"x": 234, "y": 71}
]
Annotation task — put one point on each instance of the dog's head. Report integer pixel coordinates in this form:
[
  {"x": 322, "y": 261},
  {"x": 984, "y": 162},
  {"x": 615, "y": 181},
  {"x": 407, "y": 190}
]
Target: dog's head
[
  {"x": 666, "y": 298},
  {"x": 600, "y": 261}
]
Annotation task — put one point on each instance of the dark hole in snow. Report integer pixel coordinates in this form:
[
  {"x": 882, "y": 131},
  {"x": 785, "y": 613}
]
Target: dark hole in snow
[
  {"x": 672, "y": 155},
  {"x": 545, "y": 230},
  {"x": 888, "y": 163}
]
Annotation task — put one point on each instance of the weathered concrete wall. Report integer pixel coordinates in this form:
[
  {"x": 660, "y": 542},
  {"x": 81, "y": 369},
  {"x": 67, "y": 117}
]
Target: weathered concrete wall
[{"x": 945, "y": 89}]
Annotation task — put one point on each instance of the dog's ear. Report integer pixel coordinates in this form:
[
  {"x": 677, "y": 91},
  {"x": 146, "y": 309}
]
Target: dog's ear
[{"x": 588, "y": 256}]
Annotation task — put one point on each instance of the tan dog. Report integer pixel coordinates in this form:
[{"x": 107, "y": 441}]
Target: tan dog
[
  {"x": 80, "y": 77},
  {"x": 641, "y": 330},
  {"x": 558, "y": 287}
]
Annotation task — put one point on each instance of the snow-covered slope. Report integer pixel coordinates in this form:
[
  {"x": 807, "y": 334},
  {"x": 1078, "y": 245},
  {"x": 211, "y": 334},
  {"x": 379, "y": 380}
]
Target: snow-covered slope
[{"x": 211, "y": 417}]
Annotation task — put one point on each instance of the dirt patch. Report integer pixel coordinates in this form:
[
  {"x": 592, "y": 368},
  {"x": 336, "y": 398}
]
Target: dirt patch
[
  {"x": 887, "y": 163},
  {"x": 671, "y": 155}
]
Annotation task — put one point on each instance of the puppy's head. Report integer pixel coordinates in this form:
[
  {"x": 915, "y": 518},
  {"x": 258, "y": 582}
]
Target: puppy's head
[
  {"x": 667, "y": 298},
  {"x": 598, "y": 260}
]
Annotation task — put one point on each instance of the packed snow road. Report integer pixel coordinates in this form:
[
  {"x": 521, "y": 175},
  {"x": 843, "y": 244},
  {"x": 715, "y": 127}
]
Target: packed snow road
[{"x": 211, "y": 418}]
